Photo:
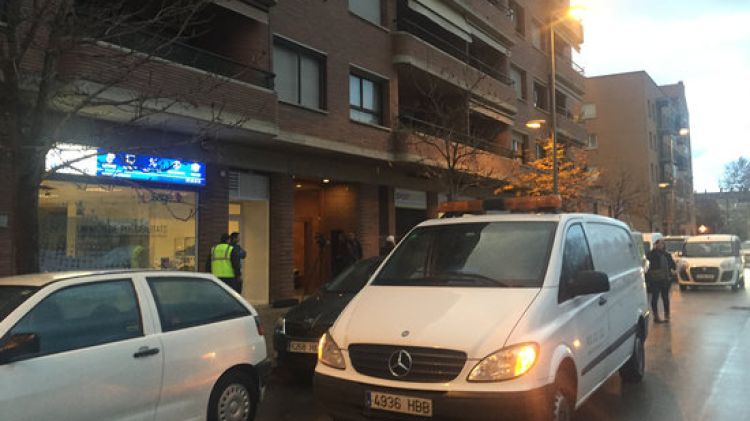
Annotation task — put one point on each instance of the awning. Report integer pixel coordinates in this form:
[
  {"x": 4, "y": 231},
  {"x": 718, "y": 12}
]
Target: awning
[
  {"x": 244, "y": 9},
  {"x": 447, "y": 18},
  {"x": 487, "y": 39},
  {"x": 490, "y": 112}
]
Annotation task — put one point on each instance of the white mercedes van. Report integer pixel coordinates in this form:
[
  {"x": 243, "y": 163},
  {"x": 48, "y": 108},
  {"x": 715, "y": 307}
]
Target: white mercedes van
[
  {"x": 711, "y": 260},
  {"x": 481, "y": 316}
]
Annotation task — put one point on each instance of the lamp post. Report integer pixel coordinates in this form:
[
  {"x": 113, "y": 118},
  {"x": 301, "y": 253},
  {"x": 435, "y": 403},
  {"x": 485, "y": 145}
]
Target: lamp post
[{"x": 553, "y": 95}]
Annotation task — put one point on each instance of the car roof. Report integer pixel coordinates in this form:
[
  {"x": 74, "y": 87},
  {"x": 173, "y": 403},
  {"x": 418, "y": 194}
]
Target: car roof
[
  {"x": 521, "y": 217},
  {"x": 712, "y": 237},
  {"x": 42, "y": 279}
]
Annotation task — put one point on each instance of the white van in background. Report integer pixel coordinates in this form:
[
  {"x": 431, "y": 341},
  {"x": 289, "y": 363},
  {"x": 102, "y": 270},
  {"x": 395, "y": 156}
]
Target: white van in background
[{"x": 711, "y": 260}]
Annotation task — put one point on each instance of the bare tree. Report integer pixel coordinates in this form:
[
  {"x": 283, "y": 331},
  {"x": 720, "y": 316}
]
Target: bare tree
[
  {"x": 456, "y": 146},
  {"x": 62, "y": 60},
  {"x": 621, "y": 192},
  {"x": 736, "y": 175}
]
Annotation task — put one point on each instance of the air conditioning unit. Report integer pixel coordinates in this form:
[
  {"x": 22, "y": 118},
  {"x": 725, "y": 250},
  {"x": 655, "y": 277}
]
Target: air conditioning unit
[{"x": 247, "y": 186}]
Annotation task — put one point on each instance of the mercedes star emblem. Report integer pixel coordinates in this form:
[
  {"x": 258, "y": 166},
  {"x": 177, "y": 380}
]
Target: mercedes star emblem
[{"x": 399, "y": 363}]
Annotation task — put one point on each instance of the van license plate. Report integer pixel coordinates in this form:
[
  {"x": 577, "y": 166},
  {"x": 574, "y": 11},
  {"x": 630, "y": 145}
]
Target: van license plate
[
  {"x": 704, "y": 276},
  {"x": 303, "y": 347},
  {"x": 399, "y": 403}
]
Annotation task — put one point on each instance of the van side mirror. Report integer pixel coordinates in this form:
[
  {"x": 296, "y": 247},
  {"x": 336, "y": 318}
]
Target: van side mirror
[
  {"x": 17, "y": 346},
  {"x": 589, "y": 282}
]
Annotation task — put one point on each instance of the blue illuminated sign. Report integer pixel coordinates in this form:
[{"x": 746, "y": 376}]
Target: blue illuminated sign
[{"x": 150, "y": 168}]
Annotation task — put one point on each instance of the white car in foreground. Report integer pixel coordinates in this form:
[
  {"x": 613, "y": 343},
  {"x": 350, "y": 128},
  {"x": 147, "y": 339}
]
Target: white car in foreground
[
  {"x": 128, "y": 346},
  {"x": 711, "y": 260}
]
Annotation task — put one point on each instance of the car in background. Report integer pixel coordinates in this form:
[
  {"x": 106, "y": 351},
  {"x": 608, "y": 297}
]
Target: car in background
[
  {"x": 298, "y": 332},
  {"x": 711, "y": 260},
  {"x": 649, "y": 239},
  {"x": 673, "y": 244},
  {"x": 128, "y": 345},
  {"x": 745, "y": 251},
  {"x": 639, "y": 245}
]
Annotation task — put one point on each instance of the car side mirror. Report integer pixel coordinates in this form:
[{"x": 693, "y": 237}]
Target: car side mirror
[
  {"x": 17, "y": 346},
  {"x": 589, "y": 282}
]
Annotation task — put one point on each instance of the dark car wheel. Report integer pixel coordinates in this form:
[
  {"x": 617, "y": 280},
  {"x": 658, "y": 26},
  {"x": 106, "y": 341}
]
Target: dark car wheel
[
  {"x": 234, "y": 398},
  {"x": 635, "y": 368}
]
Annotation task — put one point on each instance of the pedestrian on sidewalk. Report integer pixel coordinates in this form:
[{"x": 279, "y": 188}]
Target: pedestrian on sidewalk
[
  {"x": 224, "y": 263},
  {"x": 659, "y": 279},
  {"x": 390, "y": 244}
]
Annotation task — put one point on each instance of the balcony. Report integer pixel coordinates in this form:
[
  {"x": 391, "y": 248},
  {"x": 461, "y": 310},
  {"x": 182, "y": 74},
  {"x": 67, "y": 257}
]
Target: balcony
[
  {"x": 494, "y": 13},
  {"x": 187, "y": 55},
  {"x": 569, "y": 126},
  {"x": 570, "y": 74},
  {"x": 417, "y": 125},
  {"x": 441, "y": 59}
]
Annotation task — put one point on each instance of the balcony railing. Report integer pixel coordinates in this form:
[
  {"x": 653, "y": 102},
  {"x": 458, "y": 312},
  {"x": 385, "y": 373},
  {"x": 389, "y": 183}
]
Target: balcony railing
[
  {"x": 188, "y": 55},
  {"x": 572, "y": 64},
  {"x": 404, "y": 24},
  {"x": 440, "y": 132}
]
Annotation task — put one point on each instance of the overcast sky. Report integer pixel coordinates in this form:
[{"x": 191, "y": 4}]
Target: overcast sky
[{"x": 704, "y": 43}]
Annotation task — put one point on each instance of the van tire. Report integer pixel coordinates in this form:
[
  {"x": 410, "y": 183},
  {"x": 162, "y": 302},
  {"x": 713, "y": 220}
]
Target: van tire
[
  {"x": 562, "y": 395},
  {"x": 235, "y": 391},
  {"x": 635, "y": 368},
  {"x": 562, "y": 407}
]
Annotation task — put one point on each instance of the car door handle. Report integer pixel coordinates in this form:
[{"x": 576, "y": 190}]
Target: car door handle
[
  {"x": 146, "y": 352},
  {"x": 602, "y": 301}
]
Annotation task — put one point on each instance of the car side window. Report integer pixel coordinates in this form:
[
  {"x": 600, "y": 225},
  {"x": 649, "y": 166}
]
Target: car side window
[
  {"x": 576, "y": 258},
  {"x": 184, "y": 302},
  {"x": 83, "y": 316}
]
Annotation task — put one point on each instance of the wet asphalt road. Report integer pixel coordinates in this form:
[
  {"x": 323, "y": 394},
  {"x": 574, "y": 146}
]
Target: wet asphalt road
[{"x": 698, "y": 368}]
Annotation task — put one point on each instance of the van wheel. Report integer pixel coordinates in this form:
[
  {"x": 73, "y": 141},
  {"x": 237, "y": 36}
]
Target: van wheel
[
  {"x": 562, "y": 406},
  {"x": 234, "y": 398},
  {"x": 635, "y": 368}
]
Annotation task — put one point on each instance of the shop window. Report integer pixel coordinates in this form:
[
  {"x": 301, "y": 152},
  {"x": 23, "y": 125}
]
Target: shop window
[{"x": 102, "y": 226}]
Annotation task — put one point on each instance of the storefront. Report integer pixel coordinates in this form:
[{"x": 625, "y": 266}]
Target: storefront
[{"x": 114, "y": 210}]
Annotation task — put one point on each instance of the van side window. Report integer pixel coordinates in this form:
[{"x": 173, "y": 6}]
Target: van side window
[
  {"x": 576, "y": 258},
  {"x": 614, "y": 251}
]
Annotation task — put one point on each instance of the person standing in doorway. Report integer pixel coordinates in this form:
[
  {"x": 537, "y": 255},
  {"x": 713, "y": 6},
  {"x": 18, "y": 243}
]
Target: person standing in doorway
[
  {"x": 390, "y": 244},
  {"x": 659, "y": 278},
  {"x": 224, "y": 263}
]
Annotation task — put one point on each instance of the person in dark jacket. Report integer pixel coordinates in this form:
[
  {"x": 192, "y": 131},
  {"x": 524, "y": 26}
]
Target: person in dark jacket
[{"x": 659, "y": 278}]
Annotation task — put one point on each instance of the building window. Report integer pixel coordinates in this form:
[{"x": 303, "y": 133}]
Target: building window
[
  {"x": 536, "y": 35},
  {"x": 593, "y": 142},
  {"x": 365, "y": 99},
  {"x": 299, "y": 74},
  {"x": 540, "y": 96},
  {"x": 370, "y": 10},
  {"x": 517, "y": 16},
  {"x": 539, "y": 149},
  {"x": 519, "y": 81},
  {"x": 518, "y": 146}
]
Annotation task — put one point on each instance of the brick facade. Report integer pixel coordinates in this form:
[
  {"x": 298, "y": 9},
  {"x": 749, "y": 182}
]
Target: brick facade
[
  {"x": 7, "y": 262},
  {"x": 213, "y": 212},
  {"x": 281, "y": 272},
  {"x": 368, "y": 221}
]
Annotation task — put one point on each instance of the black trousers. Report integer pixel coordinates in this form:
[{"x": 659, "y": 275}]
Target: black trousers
[
  {"x": 660, "y": 289},
  {"x": 234, "y": 283}
]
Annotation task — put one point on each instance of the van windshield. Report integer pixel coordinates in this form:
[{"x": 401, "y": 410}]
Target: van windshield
[
  {"x": 709, "y": 249},
  {"x": 673, "y": 246},
  {"x": 491, "y": 254}
]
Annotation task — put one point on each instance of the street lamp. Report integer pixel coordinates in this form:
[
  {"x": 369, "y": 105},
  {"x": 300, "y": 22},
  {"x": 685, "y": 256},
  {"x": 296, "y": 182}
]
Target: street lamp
[
  {"x": 572, "y": 13},
  {"x": 702, "y": 229}
]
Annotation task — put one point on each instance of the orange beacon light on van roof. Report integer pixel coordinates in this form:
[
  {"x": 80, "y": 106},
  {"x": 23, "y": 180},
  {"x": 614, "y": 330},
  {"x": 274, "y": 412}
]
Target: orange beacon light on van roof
[{"x": 528, "y": 204}]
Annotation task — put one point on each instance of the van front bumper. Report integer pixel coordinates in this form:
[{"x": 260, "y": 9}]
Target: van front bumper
[{"x": 346, "y": 400}]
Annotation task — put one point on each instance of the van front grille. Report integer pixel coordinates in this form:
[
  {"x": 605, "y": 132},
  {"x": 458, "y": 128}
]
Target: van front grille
[{"x": 425, "y": 365}]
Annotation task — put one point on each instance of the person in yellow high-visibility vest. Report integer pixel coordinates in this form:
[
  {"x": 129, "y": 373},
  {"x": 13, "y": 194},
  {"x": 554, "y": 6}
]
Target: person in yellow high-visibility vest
[{"x": 224, "y": 263}]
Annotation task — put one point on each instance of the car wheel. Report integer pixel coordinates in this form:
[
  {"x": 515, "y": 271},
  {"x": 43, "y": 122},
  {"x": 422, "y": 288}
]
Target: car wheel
[
  {"x": 635, "y": 368},
  {"x": 234, "y": 398},
  {"x": 562, "y": 405}
]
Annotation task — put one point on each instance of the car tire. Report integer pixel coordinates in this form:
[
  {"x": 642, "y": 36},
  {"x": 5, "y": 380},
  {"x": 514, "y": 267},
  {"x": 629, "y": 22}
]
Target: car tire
[
  {"x": 635, "y": 368},
  {"x": 561, "y": 404},
  {"x": 234, "y": 398}
]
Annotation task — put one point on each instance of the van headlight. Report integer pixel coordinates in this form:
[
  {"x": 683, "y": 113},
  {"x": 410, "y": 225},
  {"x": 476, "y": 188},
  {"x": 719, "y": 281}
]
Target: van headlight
[
  {"x": 727, "y": 265},
  {"x": 329, "y": 353},
  {"x": 506, "y": 364}
]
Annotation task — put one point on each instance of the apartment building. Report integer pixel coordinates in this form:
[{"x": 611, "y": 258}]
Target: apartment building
[
  {"x": 639, "y": 139},
  {"x": 327, "y": 96}
]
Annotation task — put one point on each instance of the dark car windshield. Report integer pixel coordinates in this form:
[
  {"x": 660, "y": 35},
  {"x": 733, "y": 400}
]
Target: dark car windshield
[
  {"x": 709, "y": 249},
  {"x": 353, "y": 278},
  {"x": 491, "y": 254},
  {"x": 673, "y": 246},
  {"x": 12, "y": 297}
]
